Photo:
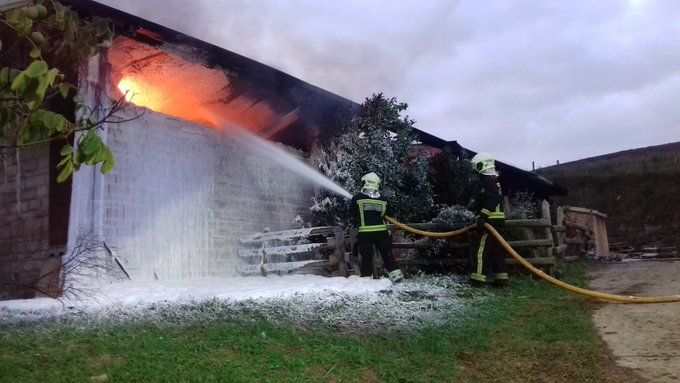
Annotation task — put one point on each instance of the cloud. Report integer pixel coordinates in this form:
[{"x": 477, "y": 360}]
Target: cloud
[{"x": 527, "y": 80}]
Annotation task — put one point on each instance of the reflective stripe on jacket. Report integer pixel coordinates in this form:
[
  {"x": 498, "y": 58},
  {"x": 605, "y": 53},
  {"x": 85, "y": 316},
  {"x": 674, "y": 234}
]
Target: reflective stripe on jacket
[{"x": 371, "y": 214}]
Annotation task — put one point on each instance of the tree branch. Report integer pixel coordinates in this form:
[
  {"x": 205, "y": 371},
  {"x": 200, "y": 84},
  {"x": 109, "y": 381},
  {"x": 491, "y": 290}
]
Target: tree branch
[
  {"x": 21, "y": 34},
  {"x": 116, "y": 106}
]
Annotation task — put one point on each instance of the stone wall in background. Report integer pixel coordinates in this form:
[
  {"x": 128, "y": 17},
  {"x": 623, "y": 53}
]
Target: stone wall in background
[{"x": 638, "y": 190}]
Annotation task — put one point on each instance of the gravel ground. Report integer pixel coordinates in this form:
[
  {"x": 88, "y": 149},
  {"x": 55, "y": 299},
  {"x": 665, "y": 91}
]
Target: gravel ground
[{"x": 642, "y": 337}]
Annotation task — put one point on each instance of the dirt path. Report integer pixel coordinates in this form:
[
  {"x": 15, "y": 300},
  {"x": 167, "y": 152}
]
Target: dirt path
[{"x": 644, "y": 338}]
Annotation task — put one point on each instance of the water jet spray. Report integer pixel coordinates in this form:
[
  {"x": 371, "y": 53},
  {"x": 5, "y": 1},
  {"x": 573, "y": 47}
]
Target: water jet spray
[{"x": 275, "y": 153}]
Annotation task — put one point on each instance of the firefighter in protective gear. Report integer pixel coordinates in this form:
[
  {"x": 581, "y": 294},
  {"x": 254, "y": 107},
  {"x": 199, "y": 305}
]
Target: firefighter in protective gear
[
  {"x": 368, "y": 210},
  {"x": 487, "y": 256}
]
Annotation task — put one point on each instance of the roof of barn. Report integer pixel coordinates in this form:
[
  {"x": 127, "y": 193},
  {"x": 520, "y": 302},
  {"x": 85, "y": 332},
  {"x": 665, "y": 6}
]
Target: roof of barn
[{"x": 323, "y": 107}]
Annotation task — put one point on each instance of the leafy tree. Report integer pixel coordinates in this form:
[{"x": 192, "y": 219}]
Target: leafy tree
[
  {"x": 378, "y": 140},
  {"x": 454, "y": 182},
  {"x": 41, "y": 47}
]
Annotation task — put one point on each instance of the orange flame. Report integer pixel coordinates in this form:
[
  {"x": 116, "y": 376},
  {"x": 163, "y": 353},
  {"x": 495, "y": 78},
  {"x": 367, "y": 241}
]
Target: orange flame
[
  {"x": 171, "y": 97},
  {"x": 167, "y": 97},
  {"x": 129, "y": 89},
  {"x": 171, "y": 85}
]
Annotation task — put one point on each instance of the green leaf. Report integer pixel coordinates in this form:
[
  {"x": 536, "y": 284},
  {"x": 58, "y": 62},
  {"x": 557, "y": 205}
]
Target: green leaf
[
  {"x": 65, "y": 172},
  {"x": 101, "y": 154},
  {"x": 51, "y": 75},
  {"x": 13, "y": 73},
  {"x": 77, "y": 159},
  {"x": 16, "y": 18},
  {"x": 109, "y": 162},
  {"x": 36, "y": 69},
  {"x": 27, "y": 27},
  {"x": 62, "y": 163},
  {"x": 20, "y": 82},
  {"x": 35, "y": 129},
  {"x": 60, "y": 123},
  {"x": 46, "y": 81},
  {"x": 93, "y": 158},
  {"x": 63, "y": 89},
  {"x": 67, "y": 150},
  {"x": 35, "y": 53},
  {"x": 41, "y": 89},
  {"x": 4, "y": 76},
  {"x": 91, "y": 143},
  {"x": 50, "y": 122}
]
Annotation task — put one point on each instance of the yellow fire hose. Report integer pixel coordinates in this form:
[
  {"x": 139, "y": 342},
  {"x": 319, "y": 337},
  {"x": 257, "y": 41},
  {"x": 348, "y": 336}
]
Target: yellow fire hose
[{"x": 554, "y": 281}]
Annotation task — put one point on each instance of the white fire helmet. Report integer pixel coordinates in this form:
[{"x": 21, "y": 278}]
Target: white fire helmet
[
  {"x": 484, "y": 164},
  {"x": 370, "y": 181}
]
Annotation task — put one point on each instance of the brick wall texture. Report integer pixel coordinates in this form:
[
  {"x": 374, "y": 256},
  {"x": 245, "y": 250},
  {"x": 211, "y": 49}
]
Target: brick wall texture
[
  {"x": 182, "y": 194},
  {"x": 24, "y": 222},
  {"x": 173, "y": 208}
]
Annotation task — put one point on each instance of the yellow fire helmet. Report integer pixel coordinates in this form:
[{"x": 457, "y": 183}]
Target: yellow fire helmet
[
  {"x": 370, "y": 181},
  {"x": 483, "y": 163}
]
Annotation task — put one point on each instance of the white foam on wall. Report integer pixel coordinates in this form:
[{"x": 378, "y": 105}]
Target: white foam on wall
[{"x": 181, "y": 195}]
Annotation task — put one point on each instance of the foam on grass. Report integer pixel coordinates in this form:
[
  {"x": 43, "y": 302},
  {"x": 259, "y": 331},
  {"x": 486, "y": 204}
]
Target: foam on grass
[{"x": 306, "y": 301}]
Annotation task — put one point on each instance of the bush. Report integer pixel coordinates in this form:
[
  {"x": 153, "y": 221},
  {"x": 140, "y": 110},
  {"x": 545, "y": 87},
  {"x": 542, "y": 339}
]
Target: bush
[
  {"x": 453, "y": 181},
  {"x": 377, "y": 140}
]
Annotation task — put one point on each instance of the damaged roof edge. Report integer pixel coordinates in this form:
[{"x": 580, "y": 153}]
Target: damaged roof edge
[
  {"x": 539, "y": 183},
  {"x": 150, "y": 32}
]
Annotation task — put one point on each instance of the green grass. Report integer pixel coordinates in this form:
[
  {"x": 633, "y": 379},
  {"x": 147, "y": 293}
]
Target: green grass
[{"x": 529, "y": 332}]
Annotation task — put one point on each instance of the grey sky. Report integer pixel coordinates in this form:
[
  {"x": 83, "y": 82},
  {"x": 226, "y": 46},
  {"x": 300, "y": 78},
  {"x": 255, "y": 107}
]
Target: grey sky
[{"x": 525, "y": 80}]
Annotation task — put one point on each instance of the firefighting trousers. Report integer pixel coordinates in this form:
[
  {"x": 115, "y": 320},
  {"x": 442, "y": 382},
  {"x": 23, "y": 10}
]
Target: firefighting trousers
[
  {"x": 383, "y": 242},
  {"x": 487, "y": 257}
]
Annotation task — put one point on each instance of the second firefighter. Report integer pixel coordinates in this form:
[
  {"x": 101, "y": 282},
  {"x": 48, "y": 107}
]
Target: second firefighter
[{"x": 487, "y": 256}]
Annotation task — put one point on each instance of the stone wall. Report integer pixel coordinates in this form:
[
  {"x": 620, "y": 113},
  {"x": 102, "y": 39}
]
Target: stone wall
[{"x": 24, "y": 225}]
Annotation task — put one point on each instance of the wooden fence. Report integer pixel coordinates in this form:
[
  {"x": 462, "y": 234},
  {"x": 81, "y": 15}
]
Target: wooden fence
[
  {"x": 542, "y": 241},
  {"x": 314, "y": 250},
  {"x": 537, "y": 244},
  {"x": 328, "y": 250}
]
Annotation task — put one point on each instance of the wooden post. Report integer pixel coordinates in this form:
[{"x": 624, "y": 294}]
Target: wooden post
[
  {"x": 354, "y": 257},
  {"x": 559, "y": 217},
  {"x": 339, "y": 235},
  {"x": 507, "y": 207},
  {"x": 560, "y": 233},
  {"x": 545, "y": 214},
  {"x": 378, "y": 267}
]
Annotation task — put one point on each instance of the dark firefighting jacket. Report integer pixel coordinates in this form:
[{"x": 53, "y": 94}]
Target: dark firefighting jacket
[
  {"x": 489, "y": 202},
  {"x": 369, "y": 212}
]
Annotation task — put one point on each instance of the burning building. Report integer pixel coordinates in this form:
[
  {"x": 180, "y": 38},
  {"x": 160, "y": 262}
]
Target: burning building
[{"x": 185, "y": 186}]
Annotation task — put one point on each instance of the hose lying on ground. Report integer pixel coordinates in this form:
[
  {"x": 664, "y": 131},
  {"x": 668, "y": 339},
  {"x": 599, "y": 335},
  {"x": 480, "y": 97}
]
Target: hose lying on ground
[{"x": 525, "y": 263}]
